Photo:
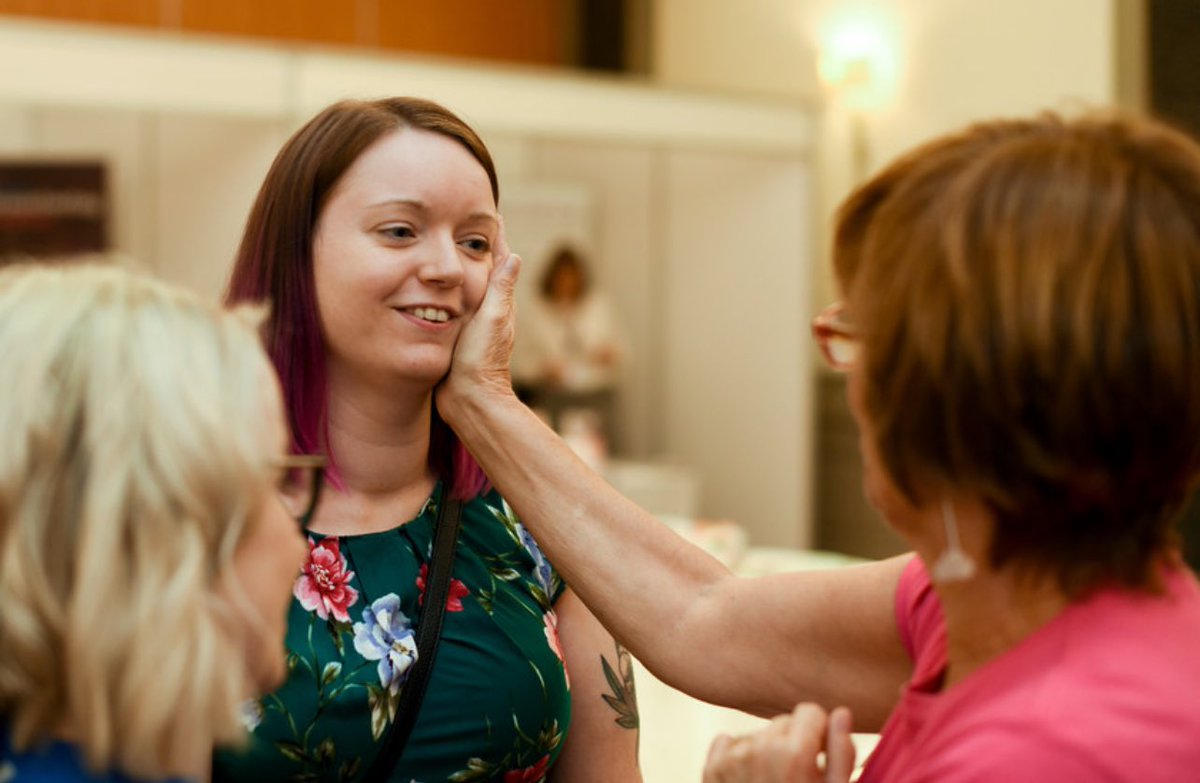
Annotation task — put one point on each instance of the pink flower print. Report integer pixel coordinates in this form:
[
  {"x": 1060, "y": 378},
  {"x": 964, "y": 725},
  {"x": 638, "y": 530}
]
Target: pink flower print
[
  {"x": 534, "y": 774},
  {"x": 457, "y": 592},
  {"x": 324, "y": 583},
  {"x": 550, "y": 619}
]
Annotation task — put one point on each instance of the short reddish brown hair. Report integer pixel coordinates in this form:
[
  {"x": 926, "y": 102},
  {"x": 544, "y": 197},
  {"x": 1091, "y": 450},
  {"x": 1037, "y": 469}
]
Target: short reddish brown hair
[{"x": 1028, "y": 298}]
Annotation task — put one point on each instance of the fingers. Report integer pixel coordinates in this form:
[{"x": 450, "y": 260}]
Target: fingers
[
  {"x": 715, "y": 763},
  {"x": 839, "y": 747},
  {"x": 502, "y": 281},
  {"x": 485, "y": 341},
  {"x": 785, "y": 751},
  {"x": 500, "y": 249}
]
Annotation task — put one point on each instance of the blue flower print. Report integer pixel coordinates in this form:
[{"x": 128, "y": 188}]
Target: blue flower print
[
  {"x": 542, "y": 570},
  {"x": 386, "y": 635}
]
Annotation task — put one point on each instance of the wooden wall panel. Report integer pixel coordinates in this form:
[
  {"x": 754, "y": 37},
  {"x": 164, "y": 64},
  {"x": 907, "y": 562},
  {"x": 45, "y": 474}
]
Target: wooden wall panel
[
  {"x": 530, "y": 31},
  {"x": 537, "y": 32},
  {"x": 317, "y": 21},
  {"x": 137, "y": 13}
]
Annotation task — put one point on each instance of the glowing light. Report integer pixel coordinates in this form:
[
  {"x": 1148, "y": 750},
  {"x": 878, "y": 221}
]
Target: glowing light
[{"x": 858, "y": 60}]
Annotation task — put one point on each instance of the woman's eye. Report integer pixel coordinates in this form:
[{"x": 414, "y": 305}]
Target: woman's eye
[
  {"x": 477, "y": 244},
  {"x": 397, "y": 232}
]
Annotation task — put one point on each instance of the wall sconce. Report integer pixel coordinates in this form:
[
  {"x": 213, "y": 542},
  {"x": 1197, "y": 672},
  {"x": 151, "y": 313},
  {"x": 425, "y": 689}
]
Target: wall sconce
[{"x": 858, "y": 65}]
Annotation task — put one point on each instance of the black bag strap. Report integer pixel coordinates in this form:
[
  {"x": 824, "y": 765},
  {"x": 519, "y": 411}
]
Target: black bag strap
[{"x": 429, "y": 631}]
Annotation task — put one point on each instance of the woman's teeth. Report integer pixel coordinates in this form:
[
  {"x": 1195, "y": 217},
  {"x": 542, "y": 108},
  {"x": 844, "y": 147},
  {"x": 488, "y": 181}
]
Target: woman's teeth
[{"x": 430, "y": 314}]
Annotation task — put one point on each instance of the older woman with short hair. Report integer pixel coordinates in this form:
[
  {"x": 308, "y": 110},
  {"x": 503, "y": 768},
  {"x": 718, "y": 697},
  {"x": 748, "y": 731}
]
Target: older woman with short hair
[{"x": 1021, "y": 329}]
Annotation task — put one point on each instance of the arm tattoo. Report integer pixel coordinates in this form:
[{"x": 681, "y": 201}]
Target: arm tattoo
[{"x": 623, "y": 698}]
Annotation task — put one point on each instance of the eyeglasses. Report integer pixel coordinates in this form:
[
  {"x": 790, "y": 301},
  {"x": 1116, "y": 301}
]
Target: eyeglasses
[
  {"x": 300, "y": 479},
  {"x": 836, "y": 337}
]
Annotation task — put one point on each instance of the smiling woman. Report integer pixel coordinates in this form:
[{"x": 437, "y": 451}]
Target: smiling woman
[
  {"x": 373, "y": 238},
  {"x": 416, "y": 214}
]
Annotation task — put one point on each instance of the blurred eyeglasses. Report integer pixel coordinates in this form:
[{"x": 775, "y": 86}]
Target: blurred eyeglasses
[
  {"x": 836, "y": 337},
  {"x": 300, "y": 479}
]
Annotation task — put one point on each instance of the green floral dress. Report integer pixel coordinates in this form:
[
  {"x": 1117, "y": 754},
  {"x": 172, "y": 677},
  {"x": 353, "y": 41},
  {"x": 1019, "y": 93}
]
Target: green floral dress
[{"x": 498, "y": 702}]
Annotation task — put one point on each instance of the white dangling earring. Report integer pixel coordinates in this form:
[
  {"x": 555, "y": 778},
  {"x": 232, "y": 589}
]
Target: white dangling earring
[{"x": 954, "y": 565}]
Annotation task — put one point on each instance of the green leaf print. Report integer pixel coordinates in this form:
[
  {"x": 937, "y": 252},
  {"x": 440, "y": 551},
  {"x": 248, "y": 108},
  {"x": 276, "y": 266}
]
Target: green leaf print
[
  {"x": 331, "y": 672},
  {"x": 486, "y": 599},
  {"x": 477, "y": 769},
  {"x": 383, "y": 708},
  {"x": 325, "y": 752},
  {"x": 508, "y": 518},
  {"x": 349, "y": 769},
  {"x": 292, "y": 751},
  {"x": 539, "y": 595},
  {"x": 336, "y": 631},
  {"x": 549, "y": 738}
]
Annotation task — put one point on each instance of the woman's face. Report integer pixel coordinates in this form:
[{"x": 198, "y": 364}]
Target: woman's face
[
  {"x": 401, "y": 254},
  {"x": 266, "y": 562},
  {"x": 878, "y": 487}
]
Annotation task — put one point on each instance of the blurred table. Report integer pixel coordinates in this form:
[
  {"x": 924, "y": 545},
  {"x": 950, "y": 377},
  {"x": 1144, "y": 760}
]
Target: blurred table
[
  {"x": 676, "y": 730},
  {"x": 659, "y": 486}
]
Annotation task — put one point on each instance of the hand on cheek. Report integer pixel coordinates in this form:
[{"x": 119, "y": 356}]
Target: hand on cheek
[{"x": 500, "y": 248}]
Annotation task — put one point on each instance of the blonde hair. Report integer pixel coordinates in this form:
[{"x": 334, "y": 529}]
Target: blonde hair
[
  {"x": 138, "y": 433},
  {"x": 1027, "y": 295}
]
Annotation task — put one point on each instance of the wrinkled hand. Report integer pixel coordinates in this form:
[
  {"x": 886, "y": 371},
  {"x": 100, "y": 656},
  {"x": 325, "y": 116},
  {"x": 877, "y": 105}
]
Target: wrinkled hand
[
  {"x": 786, "y": 750},
  {"x": 484, "y": 348}
]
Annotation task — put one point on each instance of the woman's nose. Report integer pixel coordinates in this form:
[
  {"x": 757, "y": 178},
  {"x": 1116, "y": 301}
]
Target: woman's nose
[{"x": 442, "y": 263}]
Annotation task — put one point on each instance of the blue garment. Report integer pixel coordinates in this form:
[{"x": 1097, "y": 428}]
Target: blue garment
[{"x": 52, "y": 762}]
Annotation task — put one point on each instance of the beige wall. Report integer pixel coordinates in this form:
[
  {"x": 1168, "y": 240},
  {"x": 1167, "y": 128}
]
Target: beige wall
[
  {"x": 711, "y": 211},
  {"x": 958, "y": 60},
  {"x": 701, "y": 208},
  {"x": 175, "y": 211},
  {"x": 760, "y": 47}
]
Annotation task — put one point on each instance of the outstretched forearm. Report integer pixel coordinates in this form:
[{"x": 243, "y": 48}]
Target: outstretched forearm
[
  {"x": 641, "y": 579},
  {"x": 756, "y": 644},
  {"x": 759, "y": 645}
]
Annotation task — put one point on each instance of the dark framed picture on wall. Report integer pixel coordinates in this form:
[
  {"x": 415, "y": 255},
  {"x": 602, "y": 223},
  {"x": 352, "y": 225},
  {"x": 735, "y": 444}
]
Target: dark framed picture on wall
[{"x": 52, "y": 209}]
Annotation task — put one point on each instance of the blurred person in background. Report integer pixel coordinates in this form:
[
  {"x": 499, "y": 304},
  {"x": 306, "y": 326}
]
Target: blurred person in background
[
  {"x": 1021, "y": 329},
  {"x": 372, "y": 238},
  {"x": 570, "y": 351},
  {"x": 146, "y": 556}
]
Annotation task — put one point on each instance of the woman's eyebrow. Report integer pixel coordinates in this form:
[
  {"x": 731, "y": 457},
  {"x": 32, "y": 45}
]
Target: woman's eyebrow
[
  {"x": 485, "y": 216},
  {"x": 400, "y": 202},
  {"x": 421, "y": 206}
]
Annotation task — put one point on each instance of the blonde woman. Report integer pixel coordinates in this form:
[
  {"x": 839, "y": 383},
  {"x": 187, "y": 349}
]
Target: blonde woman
[{"x": 146, "y": 557}]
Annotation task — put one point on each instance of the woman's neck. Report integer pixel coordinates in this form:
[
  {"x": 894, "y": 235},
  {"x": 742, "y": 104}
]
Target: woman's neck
[
  {"x": 380, "y": 440},
  {"x": 995, "y": 609},
  {"x": 991, "y": 614}
]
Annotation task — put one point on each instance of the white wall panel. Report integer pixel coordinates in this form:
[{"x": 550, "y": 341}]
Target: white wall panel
[
  {"x": 627, "y": 266},
  {"x": 738, "y": 392},
  {"x": 207, "y": 170},
  {"x": 16, "y": 131},
  {"x": 120, "y": 140}
]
